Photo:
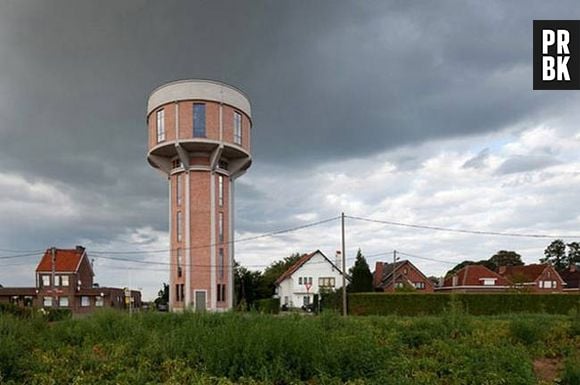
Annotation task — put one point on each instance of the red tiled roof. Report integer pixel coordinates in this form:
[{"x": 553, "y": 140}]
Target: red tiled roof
[
  {"x": 473, "y": 275},
  {"x": 297, "y": 265},
  {"x": 66, "y": 260},
  {"x": 528, "y": 273}
]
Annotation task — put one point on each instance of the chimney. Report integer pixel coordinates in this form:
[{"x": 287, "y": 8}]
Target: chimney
[
  {"x": 502, "y": 270},
  {"x": 79, "y": 249},
  {"x": 338, "y": 259},
  {"x": 378, "y": 276},
  {"x": 454, "y": 281}
]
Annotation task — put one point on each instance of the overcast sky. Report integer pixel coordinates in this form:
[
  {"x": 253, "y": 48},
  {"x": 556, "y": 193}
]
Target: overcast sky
[{"x": 412, "y": 111}]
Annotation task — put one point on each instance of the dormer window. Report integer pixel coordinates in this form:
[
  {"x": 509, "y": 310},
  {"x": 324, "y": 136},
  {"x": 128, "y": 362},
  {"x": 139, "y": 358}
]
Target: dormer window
[{"x": 488, "y": 281}]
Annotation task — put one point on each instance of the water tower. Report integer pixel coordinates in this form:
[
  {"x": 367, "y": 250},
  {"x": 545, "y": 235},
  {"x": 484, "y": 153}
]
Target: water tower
[{"x": 199, "y": 137}]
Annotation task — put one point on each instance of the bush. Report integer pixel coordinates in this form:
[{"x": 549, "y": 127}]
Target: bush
[
  {"x": 571, "y": 374},
  {"x": 526, "y": 331},
  {"x": 18, "y": 311},
  {"x": 57, "y": 314},
  {"x": 268, "y": 305},
  {"x": 474, "y": 304}
]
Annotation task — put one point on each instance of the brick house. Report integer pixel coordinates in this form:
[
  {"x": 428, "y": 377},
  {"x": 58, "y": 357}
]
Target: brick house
[
  {"x": 405, "y": 275},
  {"x": 475, "y": 279},
  {"x": 64, "y": 280},
  {"x": 571, "y": 277},
  {"x": 537, "y": 278}
]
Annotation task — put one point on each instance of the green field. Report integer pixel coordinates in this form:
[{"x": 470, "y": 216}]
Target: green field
[{"x": 247, "y": 348}]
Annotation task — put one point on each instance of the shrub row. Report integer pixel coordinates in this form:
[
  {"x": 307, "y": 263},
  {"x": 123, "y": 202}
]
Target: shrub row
[{"x": 476, "y": 304}]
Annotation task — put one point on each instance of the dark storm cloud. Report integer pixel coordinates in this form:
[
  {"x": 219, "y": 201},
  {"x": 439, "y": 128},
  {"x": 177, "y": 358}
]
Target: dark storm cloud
[{"x": 328, "y": 80}]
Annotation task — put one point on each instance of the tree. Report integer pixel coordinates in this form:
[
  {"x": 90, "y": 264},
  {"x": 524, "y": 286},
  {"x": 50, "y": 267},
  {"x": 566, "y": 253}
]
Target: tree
[
  {"x": 276, "y": 269},
  {"x": 162, "y": 296},
  {"x": 573, "y": 253},
  {"x": 555, "y": 255},
  {"x": 249, "y": 286},
  {"x": 506, "y": 258},
  {"x": 361, "y": 276}
]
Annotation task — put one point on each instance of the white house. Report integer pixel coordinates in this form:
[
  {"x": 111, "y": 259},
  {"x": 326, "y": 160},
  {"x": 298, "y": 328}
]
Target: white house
[{"x": 311, "y": 273}]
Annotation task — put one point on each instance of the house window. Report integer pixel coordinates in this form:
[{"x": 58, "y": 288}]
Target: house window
[
  {"x": 326, "y": 282},
  {"x": 488, "y": 282},
  {"x": 178, "y": 226},
  {"x": 177, "y": 293},
  {"x": 419, "y": 285},
  {"x": 285, "y": 300},
  {"x": 300, "y": 280},
  {"x": 46, "y": 280},
  {"x": 64, "y": 280},
  {"x": 237, "y": 128},
  {"x": 63, "y": 302},
  {"x": 199, "y": 120},
  {"x": 85, "y": 301},
  {"x": 221, "y": 190},
  {"x": 47, "y": 302},
  {"x": 221, "y": 227},
  {"x": 178, "y": 190},
  {"x": 306, "y": 300},
  {"x": 399, "y": 285},
  {"x": 310, "y": 280},
  {"x": 221, "y": 263},
  {"x": 548, "y": 284},
  {"x": 99, "y": 302},
  {"x": 160, "y": 125}
]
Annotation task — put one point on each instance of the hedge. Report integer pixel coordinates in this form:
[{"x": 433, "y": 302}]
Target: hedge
[
  {"x": 476, "y": 304},
  {"x": 268, "y": 305}
]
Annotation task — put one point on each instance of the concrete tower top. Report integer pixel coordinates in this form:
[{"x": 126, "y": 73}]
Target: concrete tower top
[{"x": 201, "y": 90}]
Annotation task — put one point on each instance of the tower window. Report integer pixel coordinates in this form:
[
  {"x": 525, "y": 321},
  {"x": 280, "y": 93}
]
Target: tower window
[
  {"x": 221, "y": 227},
  {"x": 221, "y": 292},
  {"x": 178, "y": 257},
  {"x": 178, "y": 226},
  {"x": 178, "y": 190},
  {"x": 237, "y": 128},
  {"x": 160, "y": 125},
  {"x": 221, "y": 190},
  {"x": 199, "y": 120},
  {"x": 221, "y": 263}
]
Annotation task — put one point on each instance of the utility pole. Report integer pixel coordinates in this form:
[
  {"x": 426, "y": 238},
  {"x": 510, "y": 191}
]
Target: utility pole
[
  {"x": 394, "y": 268},
  {"x": 53, "y": 277},
  {"x": 344, "y": 309}
]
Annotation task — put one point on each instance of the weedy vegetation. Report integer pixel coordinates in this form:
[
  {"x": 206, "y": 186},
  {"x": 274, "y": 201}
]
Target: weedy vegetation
[{"x": 250, "y": 348}]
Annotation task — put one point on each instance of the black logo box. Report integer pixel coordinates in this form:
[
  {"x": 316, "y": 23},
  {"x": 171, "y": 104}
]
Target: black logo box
[{"x": 573, "y": 27}]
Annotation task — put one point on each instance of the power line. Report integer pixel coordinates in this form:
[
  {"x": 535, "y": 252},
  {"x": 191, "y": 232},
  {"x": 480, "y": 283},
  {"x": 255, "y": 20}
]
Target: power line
[
  {"x": 464, "y": 231},
  {"x": 19, "y": 255},
  {"x": 252, "y": 238}
]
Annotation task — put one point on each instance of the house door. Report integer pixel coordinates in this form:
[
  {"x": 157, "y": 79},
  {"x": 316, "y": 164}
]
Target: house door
[{"x": 200, "y": 301}]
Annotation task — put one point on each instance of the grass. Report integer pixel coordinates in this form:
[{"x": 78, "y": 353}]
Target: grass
[{"x": 233, "y": 348}]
